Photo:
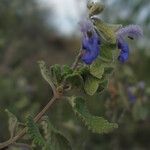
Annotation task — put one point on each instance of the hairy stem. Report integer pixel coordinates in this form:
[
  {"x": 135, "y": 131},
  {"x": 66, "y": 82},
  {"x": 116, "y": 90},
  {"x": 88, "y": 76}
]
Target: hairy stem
[
  {"x": 74, "y": 65},
  {"x": 22, "y": 132},
  {"x": 42, "y": 112}
]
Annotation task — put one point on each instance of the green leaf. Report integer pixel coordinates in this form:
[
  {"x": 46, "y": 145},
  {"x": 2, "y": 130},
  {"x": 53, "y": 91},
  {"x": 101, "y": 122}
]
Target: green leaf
[
  {"x": 83, "y": 70},
  {"x": 97, "y": 69},
  {"x": 107, "y": 52},
  {"x": 34, "y": 132},
  {"x": 55, "y": 140},
  {"x": 115, "y": 27},
  {"x": 56, "y": 74},
  {"x": 45, "y": 72},
  {"x": 91, "y": 85},
  {"x": 12, "y": 123},
  {"x": 95, "y": 8},
  {"x": 75, "y": 79},
  {"x": 66, "y": 70},
  {"x": 105, "y": 31},
  {"x": 109, "y": 69},
  {"x": 103, "y": 85},
  {"x": 94, "y": 123}
]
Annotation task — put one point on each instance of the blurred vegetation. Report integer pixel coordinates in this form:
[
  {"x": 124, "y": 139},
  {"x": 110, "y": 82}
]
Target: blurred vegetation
[{"x": 25, "y": 38}]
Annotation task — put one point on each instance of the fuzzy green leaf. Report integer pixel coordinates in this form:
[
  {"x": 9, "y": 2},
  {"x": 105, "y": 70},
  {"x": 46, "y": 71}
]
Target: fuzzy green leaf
[
  {"x": 115, "y": 27},
  {"x": 105, "y": 31},
  {"x": 95, "y": 8},
  {"x": 45, "y": 72},
  {"x": 103, "y": 85},
  {"x": 56, "y": 74},
  {"x": 97, "y": 69},
  {"x": 107, "y": 52},
  {"x": 75, "y": 79},
  {"x": 55, "y": 140},
  {"x": 108, "y": 69},
  {"x": 94, "y": 123},
  {"x": 66, "y": 70},
  {"x": 12, "y": 123},
  {"x": 34, "y": 132},
  {"x": 91, "y": 85}
]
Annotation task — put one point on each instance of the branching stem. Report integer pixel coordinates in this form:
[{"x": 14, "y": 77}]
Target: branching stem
[{"x": 56, "y": 96}]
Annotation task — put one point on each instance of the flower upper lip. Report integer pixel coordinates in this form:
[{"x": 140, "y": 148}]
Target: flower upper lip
[{"x": 90, "y": 42}]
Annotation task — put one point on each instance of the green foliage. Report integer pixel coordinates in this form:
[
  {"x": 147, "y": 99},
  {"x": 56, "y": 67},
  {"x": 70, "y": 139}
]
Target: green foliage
[
  {"x": 55, "y": 140},
  {"x": 75, "y": 79},
  {"x": 97, "y": 69},
  {"x": 34, "y": 132},
  {"x": 66, "y": 70},
  {"x": 103, "y": 84},
  {"x": 45, "y": 72},
  {"x": 91, "y": 85},
  {"x": 95, "y": 8},
  {"x": 105, "y": 31},
  {"x": 115, "y": 27},
  {"x": 106, "y": 54},
  {"x": 12, "y": 123},
  {"x": 56, "y": 74},
  {"x": 97, "y": 77},
  {"x": 52, "y": 140},
  {"x": 94, "y": 123},
  {"x": 20, "y": 47}
]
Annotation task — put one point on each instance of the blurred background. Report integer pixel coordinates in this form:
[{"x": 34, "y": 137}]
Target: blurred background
[{"x": 32, "y": 30}]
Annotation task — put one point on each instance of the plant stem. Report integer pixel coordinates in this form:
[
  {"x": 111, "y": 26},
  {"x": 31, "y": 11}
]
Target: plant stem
[
  {"x": 74, "y": 65},
  {"x": 22, "y": 132},
  {"x": 42, "y": 112}
]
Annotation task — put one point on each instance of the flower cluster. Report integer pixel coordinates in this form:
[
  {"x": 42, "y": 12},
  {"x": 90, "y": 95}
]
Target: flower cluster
[{"x": 91, "y": 41}]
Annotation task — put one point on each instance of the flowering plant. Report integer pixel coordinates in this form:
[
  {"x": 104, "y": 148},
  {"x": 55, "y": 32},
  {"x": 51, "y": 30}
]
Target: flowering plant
[{"x": 102, "y": 45}]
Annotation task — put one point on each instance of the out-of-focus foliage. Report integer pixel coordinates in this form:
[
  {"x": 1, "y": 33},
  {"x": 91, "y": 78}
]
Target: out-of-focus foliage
[{"x": 25, "y": 38}]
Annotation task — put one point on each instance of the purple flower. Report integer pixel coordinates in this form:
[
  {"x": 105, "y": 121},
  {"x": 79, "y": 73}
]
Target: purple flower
[
  {"x": 90, "y": 42},
  {"x": 131, "y": 31},
  {"x": 124, "y": 53},
  {"x": 131, "y": 97},
  {"x": 131, "y": 94},
  {"x": 141, "y": 85}
]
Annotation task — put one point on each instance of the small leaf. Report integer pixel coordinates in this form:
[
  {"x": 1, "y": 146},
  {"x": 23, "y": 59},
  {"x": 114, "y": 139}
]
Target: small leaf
[
  {"x": 12, "y": 123},
  {"x": 45, "y": 72},
  {"x": 83, "y": 70},
  {"x": 66, "y": 70},
  {"x": 56, "y": 74},
  {"x": 55, "y": 139},
  {"x": 91, "y": 85},
  {"x": 109, "y": 69},
  {"x": 75, "y": 79},
  {"x": 95, "y": 8},
  {"x": 105, "y": 30},
  {"x": 97, "y": 69},
  {"x": 103, "y": 85},
  {"x": 115, "y": 27},
  {"x": 107, "y": 51},
  {"x": 34, "y": 132},
  {"x": 94, "y": 123}
]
